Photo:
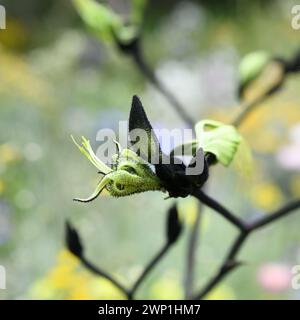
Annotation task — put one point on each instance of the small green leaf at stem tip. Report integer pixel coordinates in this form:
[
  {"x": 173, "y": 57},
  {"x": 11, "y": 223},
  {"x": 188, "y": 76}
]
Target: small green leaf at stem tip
[
  {"x": 99, "y": 18},
  {"x": 252, "y": 65},
  {"x": 106, "y": 24},
  {"x": 137, "y": 12},
  {"x": 219, "y": 139}
]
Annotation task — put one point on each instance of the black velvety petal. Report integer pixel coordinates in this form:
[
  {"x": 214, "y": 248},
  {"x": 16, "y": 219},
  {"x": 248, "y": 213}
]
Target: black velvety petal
[
  {"x": 149, "y": 147},
  {"x": 172, "y": 174},
  {"x": 177, "y": 182},
  {"x": 174, "y": 179}
]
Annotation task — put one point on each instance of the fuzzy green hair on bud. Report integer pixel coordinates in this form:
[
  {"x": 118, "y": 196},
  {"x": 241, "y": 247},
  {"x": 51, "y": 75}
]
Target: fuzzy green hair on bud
[{"x": 129, "y": 173}]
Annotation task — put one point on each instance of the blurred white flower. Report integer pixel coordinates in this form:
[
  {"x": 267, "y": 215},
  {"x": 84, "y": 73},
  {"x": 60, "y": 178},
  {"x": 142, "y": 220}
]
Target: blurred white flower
[
  {"x": 289, "y": 156},
  {"x": 33, "y": 151},
  {"x": 198, "y": 83}
]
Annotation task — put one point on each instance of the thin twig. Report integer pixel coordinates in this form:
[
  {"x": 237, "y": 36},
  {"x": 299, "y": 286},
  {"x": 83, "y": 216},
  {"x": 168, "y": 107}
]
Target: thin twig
[
  {"x": 191, "y": 254},
  {"x": 148, "y": 268},
  {"x": 213, "y": 204},
  {"x": 145, "y": 69},
  {"x": 129, "y": 293},
  {"x": 140, "y": 61},
  {"x": 230, "y": 262},
  {"x": 247, "y": 108},
  {"x": 227, "y": 266},
  {"x": 96, "y": 270},
  {"x": 173, "y": 231},
  {"x": 271, "y": 217}
]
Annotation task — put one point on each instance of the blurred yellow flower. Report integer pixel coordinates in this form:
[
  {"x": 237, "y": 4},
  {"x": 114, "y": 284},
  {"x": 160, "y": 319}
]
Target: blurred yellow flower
[
  {"x": 266, "y": 195},
  {"x": 295, "y": 185},
  {"x": 8, "y": 154},
  {"x": 2, "y": 186},
  {"x": 103, "y": 289},
  {"x": 264, "y": 128},
  {"x": 188, "y": 208},
  {"x": 15, "y": 36},
  {"x": 222, "y": 292},
  {"x": 67, "y": 280},
  {"x": 18, "y": 76},
  {"x": 167, "y": 287}
]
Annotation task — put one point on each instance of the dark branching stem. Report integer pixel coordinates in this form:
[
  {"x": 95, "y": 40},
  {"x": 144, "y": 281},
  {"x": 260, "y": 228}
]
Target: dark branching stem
[
  {"x": 139, "y": 59},
  {"x": 247, "y": 108},
  {"x": 157, "y": 258},
  {"x": 230, "y": 262},
  {"x": 75, "y": 246},
  {"x": 145, "y": 69},
  {"x": 213, "y": 204},
  {"x": 271, "y": 217},
  {"x": 129, "y": 293},
  {"x": 97, "y": 271},
  {"x": 173, "y": 231},
  {"x": 228, "y": 265},
  {"x": 191, "y": 254}
]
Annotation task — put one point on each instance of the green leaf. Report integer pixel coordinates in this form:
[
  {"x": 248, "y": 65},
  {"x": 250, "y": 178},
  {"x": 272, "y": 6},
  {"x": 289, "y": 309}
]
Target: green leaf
[
  {"x": 137, "y": 12},
  {"x": 252, "y": 65},
  {"x": 103, "y": 21},
  {"x": 127, "y": 33},
  {"x": 219, "y": 139}
]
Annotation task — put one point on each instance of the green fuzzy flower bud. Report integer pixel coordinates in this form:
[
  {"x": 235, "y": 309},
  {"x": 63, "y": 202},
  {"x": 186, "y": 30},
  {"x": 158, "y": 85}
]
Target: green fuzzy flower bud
[{"x": 129, "y": 173}]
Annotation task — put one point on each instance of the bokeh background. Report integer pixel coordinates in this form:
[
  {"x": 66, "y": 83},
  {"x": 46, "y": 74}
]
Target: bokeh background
[{"x": 57, "y": 79}]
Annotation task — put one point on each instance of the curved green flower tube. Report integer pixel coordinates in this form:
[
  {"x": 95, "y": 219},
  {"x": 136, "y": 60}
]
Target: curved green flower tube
[{"x": 129, "y": 174}]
